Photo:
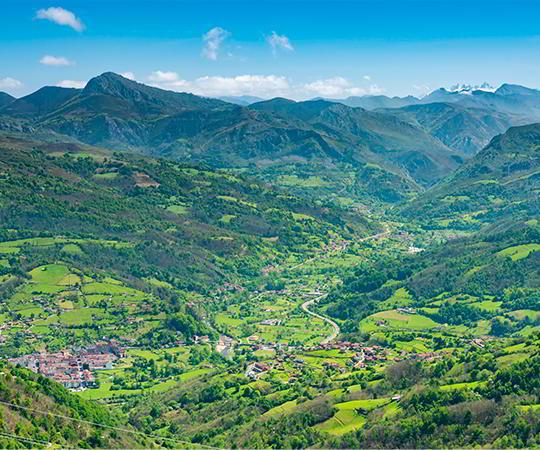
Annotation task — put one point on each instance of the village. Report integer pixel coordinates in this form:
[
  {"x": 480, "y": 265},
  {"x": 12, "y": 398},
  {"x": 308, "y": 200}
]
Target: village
[
  {"x": 355, "y": 355},
  {"x": 75, "y": 368}
]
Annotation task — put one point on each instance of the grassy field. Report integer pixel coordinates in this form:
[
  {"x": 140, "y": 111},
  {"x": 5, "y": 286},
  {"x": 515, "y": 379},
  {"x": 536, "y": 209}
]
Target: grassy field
[
  {"x": 350, "y": 416},
  {"x": 518, "y": 252},
  {"x": 398, "y": 299},
  {"x": 396, "y": 320},
  {"x": 461, "y": 386},
  {"x": 284, "y": 408}
]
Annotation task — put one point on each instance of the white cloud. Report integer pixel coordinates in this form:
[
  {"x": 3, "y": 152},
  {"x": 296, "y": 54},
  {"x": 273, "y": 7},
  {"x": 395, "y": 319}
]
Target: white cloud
[
  {"x": 279, "y": 42},
  {"x": 61, "y": 16},
  {"x": 258, "y": 85},
  {"x": 376, "y": 90},
  {"x": 9, "y": 83},
  {"x": 71, "y": 84},
  {"x": 50, "y": 60},
  {"x": 212, "y": 42},
  {"x": 265, "y": 86},
  {"x": 213, "y": 86},
  {"x": 367, "y": 77},
  {"x": 128, "y": 75},
  {"x": 335, "y": 87},
  {"x": 160, "y": 76}
]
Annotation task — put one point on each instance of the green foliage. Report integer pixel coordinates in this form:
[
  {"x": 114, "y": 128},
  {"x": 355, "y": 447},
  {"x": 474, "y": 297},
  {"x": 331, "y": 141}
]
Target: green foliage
[{"x": 42, "y": 396}]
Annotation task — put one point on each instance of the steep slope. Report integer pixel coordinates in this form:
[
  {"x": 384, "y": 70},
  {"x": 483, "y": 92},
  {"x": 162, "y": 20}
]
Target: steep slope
[
  {"x": 195, "y": 227},
  {"x": 118, "y": 113},
  {"x": 502, "y": 180},
  {"x": 112, "y": 110},
  {"x": 373, "y": 137},
  {"x": 45, "y": 413},
  {"x": 465, "y": 129},
  {"x": 5, "y": 98}
]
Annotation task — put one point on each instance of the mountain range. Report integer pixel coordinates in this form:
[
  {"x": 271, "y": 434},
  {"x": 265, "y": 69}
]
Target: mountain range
[
  {"x": 402, "y": 144},
  {"x": 118, "y": 113}
]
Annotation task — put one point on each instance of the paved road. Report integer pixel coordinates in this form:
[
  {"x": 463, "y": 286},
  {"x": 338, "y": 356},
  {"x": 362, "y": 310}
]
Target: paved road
[
  {"x": 305, "y": 306},
  {"x": 335, "y": 327}
]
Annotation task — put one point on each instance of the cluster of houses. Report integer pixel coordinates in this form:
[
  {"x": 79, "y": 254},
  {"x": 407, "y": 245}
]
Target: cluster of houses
[{"x": 73, "y": 368}]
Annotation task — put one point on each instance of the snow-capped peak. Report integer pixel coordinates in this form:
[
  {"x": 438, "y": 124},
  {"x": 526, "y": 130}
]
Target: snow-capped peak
[{"x": 468, "y": 89}]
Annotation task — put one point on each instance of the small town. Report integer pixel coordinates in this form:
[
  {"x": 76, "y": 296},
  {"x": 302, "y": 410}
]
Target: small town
[{"x": 73, "y": 368}]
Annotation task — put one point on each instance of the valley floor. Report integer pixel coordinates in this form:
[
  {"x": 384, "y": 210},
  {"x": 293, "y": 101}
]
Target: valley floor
[{"x": 275, "y": 354}]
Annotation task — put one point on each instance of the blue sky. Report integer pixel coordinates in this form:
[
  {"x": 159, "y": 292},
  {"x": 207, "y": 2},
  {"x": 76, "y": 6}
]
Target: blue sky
[{"x": 296, "y": 48}]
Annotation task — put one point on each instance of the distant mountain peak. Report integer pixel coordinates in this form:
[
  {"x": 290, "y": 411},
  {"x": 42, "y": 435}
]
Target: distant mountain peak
[
  {"x": 42, "y": 101},
  {"x": 5, "y": 98},
  {"x": 110, "y": 83},
  {"x": 515, "y": 89},
  {"x": 469, "y": 88},
  {"x": 242, "y": 100}
]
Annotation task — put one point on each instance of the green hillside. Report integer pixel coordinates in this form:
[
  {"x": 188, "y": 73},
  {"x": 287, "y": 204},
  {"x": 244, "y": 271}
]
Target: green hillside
[
  {"x": 136, "y": 237},
  {"x": 37, "y": 412},
  {"x": 501, "y": 180}
]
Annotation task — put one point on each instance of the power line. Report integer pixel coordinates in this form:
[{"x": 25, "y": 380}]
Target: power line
[
  {"x": 20, "y": 438},
  {"x": 124, "y": 430}
]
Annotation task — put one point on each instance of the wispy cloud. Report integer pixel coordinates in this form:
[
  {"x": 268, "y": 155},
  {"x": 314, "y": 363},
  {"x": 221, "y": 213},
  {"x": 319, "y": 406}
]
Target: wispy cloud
[
  {"x": 71, "y": 84},
  {"x": 61, "y": 16},
  {"x": 9, "y": 83},
  {"x": 212, "y": 42},
  {"x": 279, "y": 42},
  {"x": 367, "y": 77},
  {"x": 50, "y": 60}
]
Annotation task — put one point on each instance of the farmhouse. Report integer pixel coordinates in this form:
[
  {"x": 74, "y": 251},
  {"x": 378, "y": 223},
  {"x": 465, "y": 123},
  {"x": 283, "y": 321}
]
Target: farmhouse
[
  {"x": 273, "y": 322},
  {"x": 407, "y": 310},
  {"x": 255, "y": 370}
]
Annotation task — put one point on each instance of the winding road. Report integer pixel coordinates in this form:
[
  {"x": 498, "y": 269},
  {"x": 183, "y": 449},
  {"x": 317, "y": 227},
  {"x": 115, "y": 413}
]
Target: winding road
[
  {"x": 335, "y": 327},
  {"x": 305, "y": 306}
]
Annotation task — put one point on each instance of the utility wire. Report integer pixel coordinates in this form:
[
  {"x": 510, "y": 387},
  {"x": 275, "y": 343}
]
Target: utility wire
[
  {"x": 124, "y": 430},
  {"x": 24, "y": 439}
]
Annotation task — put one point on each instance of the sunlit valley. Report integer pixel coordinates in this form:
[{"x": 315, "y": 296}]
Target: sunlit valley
[{"x": 347, "y": 269}]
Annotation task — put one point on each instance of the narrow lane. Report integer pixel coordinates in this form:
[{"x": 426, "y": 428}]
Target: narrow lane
[{"x": 335, "y": 327}]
